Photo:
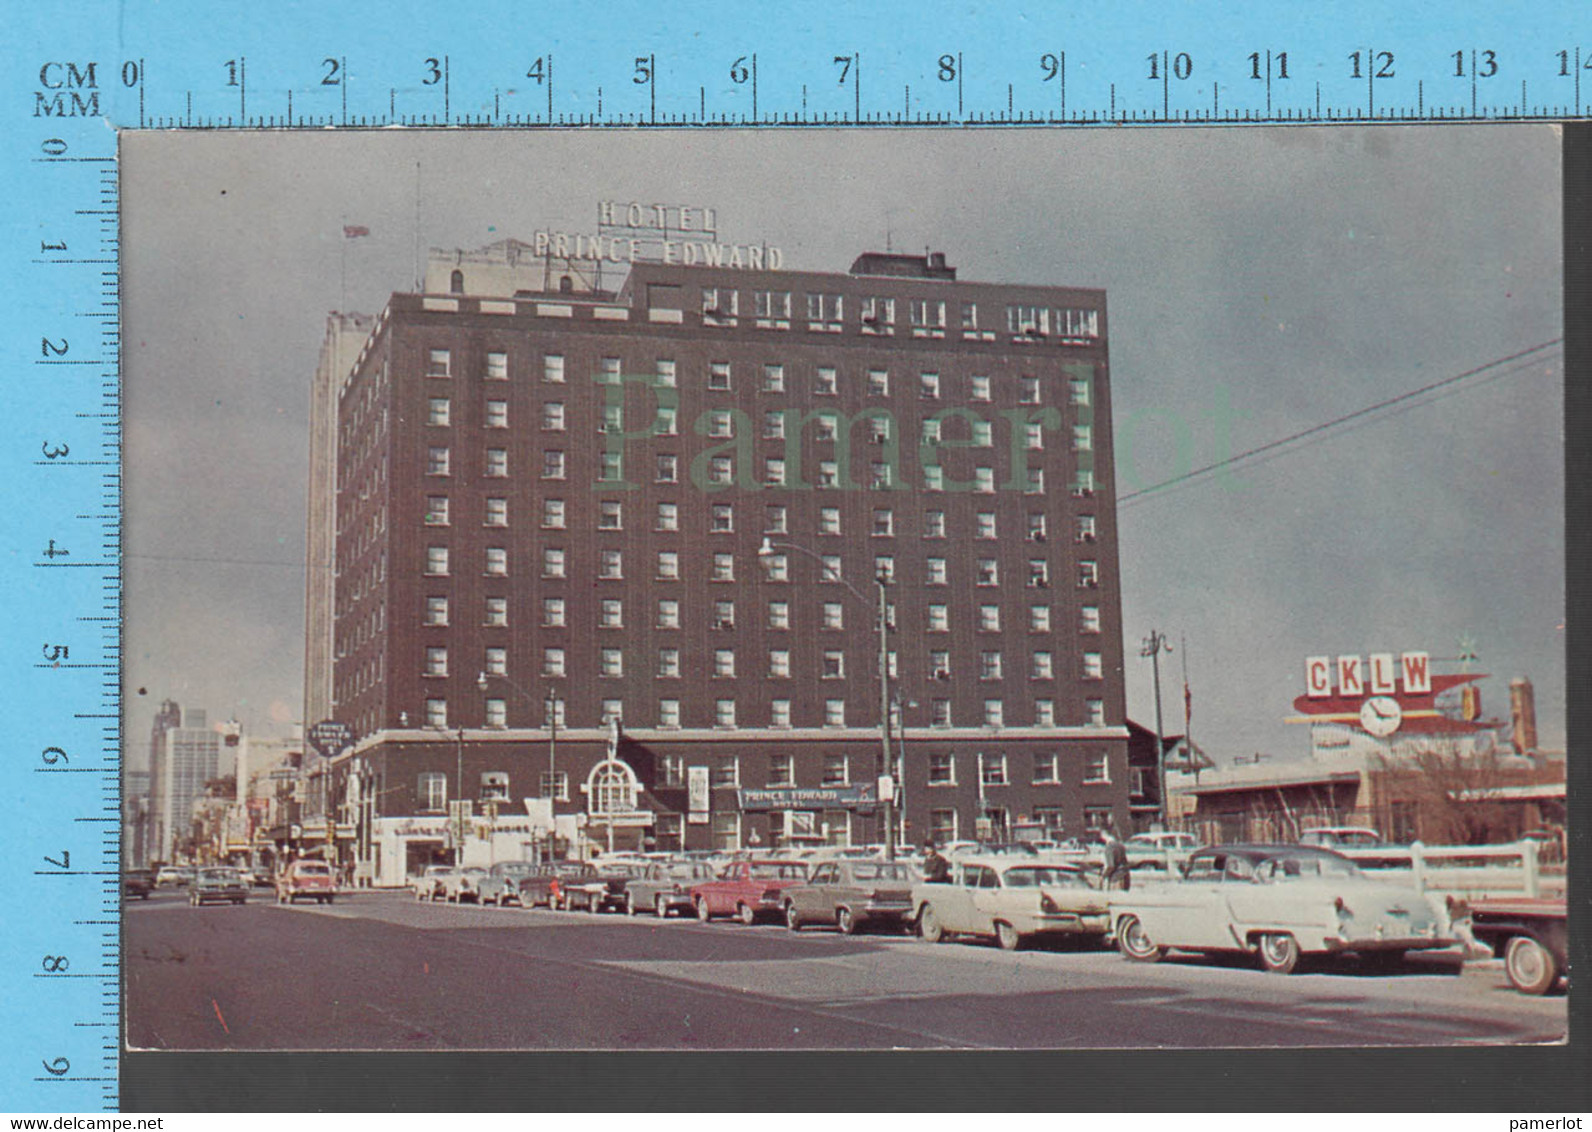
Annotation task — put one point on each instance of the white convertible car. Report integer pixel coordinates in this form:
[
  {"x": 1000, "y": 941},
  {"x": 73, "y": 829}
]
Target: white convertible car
[
  {"x": 1279, "y": 902},
  {"x": 1011, "y": 898}
]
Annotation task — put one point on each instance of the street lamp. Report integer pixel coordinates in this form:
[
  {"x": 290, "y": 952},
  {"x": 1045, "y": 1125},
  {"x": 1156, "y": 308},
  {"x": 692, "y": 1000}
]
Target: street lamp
[
  {"x": 456, "y": 808},
  {"x": 765, "y": 550},
  {"x": 552, "y": 706}
]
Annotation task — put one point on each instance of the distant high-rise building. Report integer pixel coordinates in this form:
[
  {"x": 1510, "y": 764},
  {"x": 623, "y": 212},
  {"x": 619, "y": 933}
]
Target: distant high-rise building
[
  {"x": 190, "y": 757},
  {"x": 168, "y": 717}
]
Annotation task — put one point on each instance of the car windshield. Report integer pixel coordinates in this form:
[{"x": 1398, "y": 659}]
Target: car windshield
[
  {"x": 883, "y": 871},
  {"x": 218, "y": 874},
  {"x": 686, "y": 870},
  {"x": 1035, "y": 876},
  {"x": 310, "y": 868},
  {"x": 514, "y": 868},
  {"x": 1304, "y": 867},
  {"x": 475, "y": 871}
]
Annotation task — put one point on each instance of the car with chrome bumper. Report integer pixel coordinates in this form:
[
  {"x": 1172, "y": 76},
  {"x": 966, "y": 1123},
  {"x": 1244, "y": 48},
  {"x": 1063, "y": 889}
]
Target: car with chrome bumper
[
  {"x": 311, "y": 879},
  {"x": 217, "y": 884},
  {"x": 1279, "y": 903},
  {"x": 665, "y": 887},
  {"x": 1531, "y": 936},
  {"x": 1011, "y": 900},
  {"x": 747, "y": 890},
  {"x": 852, "y": 895}
]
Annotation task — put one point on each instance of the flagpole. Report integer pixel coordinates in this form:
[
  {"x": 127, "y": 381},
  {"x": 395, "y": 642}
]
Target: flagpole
[{"x": 342, "y": 245}]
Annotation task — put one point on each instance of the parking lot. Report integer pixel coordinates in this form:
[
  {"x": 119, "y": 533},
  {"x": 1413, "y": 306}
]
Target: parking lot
[{"x": 377, "y": 970}]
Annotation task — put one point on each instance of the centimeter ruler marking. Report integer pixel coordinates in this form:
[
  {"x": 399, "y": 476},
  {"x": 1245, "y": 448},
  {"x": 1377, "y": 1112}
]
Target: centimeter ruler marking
[{"x": 809, "y": 74}]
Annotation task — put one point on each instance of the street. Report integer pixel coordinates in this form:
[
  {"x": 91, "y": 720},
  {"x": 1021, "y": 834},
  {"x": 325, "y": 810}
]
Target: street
[{"x": 376, "y": 970}]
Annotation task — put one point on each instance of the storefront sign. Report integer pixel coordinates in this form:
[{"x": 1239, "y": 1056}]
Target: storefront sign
[
  {"x": 329, "y": 738},
  {"x": 807, "y": 797},
  {"x": 697, "y": 794}
]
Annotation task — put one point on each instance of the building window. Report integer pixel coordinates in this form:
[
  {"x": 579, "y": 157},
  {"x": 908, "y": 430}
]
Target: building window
[
  {"x": 1039, "y": 618},
  {"x": 1082, "y": 438},
  {"x": 608, "y": 371},
  {"x": 881, "y": 474},
  {"x": 943, "y": 826},
  {"x": 1078, "y": 390},
  {"x": 436, "y": 660},
  {"x": 611, "y": 662},
  {"x": 554, "y": 784},
  {"x": 782, "y": 770},
  {"x": 1095, "y": 713},
  {"x": 834, "y": 665},
  {"x": 1096, "y": 768},
  {"x": 989, "y": 618},
  {"x": 1028, "y": 390},
  {"x": 666, "y": 469},
  {"x": 437, "y": 462},
  {"x": 724, "y": 664},
  {"x": 939, "y": 619},
  {"x": 1042, "y": 669},
  {"x": 1091, "y": 666},
  {"x": 720, "y": 306},
  {"x": 989, "y": 572},
  {"x": 668, "y": 613},
  {"x": 436, "y": 510},
  {"x": 1083, "y": 483},
  {"x": 994, "y": 713},
  {"x": 553, "y": 416},
  {"x": 929, "y": 386},
  {"x": 553, "y": 369},
  {"x": 1038, "y": 573},
  {"x": 775, "y": 519},
  {"x": 436, "y": 610},
  {"x": 1027, "y": 321},
  {"x": 771, "y": 309},
  {"x": 553, "y": 612},
  {"x": 928, "y": 318},
  {"x": 878, "y": 383},
  {"x": 552, "y": 562},
  {"x": 989, "y": 665},
  {"x": 497, "y": 463},
  {"x": 552, "y": 514},
  {"x": 610, "y": 515},
  {"x": 497, "y": 612},
  {"x": 884, "y": 568},
  {"x": 664, "y": 373},
  {"x": 1085, "y": 528},
  {"x": 934, "y": 572},
  {"x": 1033, "y": 437},
  {"x": 773, "y": 379},
  {"x": 496, "y": 514},
  {"x": 432, "y": 792},
  {"x": 1034, "y": 484},
  {"x": 667, "y": 422},
  {"x": 826, "y": 381},
  {"x": 496, "y": 661},
  {"x": 724, "y": 714},
  {"x": 1044, "y": 713},
  {"x": 497, "y": 715},
  {"x": 721, "y": 423},
  {"x": 727, "y": 831},
  {"x": 942, "y": 770},
  {"x": 939, "y": 713},
  {"x": 439, "y": 363},
  {"x": 611, "y": 613},
  {"x": 829, "y": 520},
  {"x": 437, "y": 561},
  {"x": 978, "y": 388},
  {"x": 776, "y": 568},
  {"x": 779, "y": 664},
  {"x": 552, "y": 662},
  {"x": 610, "y": 564},
  {"x": 497, "y": 414},
  {"x": 825, "y": 310},
  {"x": 436, "y": 713},
  {"x": 552, "y": 465},
  {"x": 779, "y": 615},
  {"x": 773, "y": 471},
  {"x": 721, "y": 519},
  {"x": 1089, "y": 619},
  {"x": 779, "y": 713},
  {"x": 831, "y": 571},
  {"x": 610, "y": 466},
  {"x": 1036, "y": 527},
  {"x": 668, "y": 716},
  {"x": 1088, "y": 575},
  {"x": 774, "y": 424},
  {"x": 724, "y": 567},
  {"x": 837, "y": 771},
  {"x": 719, "y": 376},
  {"x": 878, "y": 316},
  {"x": 994, "y": 770},
  {"x": 437, "y": 412},
  {"x": 834, "y": 713},
  {"x": 933, "y": 477},
  {"x": 1076, "y": 323},
  {"x": 668, "y": 517},
  {"x": 939, "y": 664},
  {"x": 828, "y": 474},
  {"x": 724, "y": 614},
  {"x": 721, "y": 470}
]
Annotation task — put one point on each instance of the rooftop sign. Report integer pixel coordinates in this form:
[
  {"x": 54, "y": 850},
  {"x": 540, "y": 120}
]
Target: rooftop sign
[{"x": 634, "y": 232}]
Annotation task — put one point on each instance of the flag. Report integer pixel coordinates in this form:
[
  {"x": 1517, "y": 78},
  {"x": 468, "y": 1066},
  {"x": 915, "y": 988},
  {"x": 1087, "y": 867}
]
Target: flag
[
  {"x": 354, "y": 231},
  {"x": 1188, "y": 705}
]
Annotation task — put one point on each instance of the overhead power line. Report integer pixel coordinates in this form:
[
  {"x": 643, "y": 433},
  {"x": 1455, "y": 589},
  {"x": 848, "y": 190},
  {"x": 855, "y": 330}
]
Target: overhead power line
[{"x": 1525, "y": 357}]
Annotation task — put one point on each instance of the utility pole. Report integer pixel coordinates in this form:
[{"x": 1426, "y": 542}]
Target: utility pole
[{"x": 1154, "y": 644}]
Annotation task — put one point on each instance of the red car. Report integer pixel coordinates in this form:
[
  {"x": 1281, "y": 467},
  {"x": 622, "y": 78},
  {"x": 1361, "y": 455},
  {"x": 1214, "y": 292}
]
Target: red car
[
  {"x": 313, "y": 879},
  {"x": 747, "y": 890}
]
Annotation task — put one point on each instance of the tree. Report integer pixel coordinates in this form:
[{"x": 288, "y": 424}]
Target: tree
[{"x": 1453, "y": 792}]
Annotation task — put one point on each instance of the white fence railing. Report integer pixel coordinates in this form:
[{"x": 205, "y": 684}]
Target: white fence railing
[{"x": 1513, "y": 869}]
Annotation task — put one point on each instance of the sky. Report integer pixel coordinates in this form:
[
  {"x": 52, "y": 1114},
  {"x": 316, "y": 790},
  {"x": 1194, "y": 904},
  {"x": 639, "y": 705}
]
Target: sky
[{"x": 1260, "y": 283}]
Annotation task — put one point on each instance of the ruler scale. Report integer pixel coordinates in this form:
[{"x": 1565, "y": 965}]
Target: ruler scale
[{"x": 75, "y": 79}]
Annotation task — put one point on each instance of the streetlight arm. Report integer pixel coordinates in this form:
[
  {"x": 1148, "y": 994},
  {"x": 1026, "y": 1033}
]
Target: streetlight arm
[{"x": 770, "y": 546}]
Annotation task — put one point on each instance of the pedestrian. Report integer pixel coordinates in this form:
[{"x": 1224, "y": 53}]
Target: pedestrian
[
  {"x": 1114, "y": 872},
  {"x": 936, "y": 869}
]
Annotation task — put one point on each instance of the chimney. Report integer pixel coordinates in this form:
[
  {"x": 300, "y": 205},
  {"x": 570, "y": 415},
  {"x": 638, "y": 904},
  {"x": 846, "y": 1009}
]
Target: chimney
[{"x": 1523, "y": 715}]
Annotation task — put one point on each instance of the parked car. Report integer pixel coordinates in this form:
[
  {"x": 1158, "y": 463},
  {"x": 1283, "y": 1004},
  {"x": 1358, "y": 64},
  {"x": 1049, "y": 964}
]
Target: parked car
[
  {"x": 547, "y": 883},
  {"x": 1012, "y": 900},
  {"x": 459, "y": 885},
  {"x": 1280, "y": 902},
  {"x": 1342, "y": 837},
  {"x": 747, "y": 890},
  {"x": 602, "y": 889},
  {"x": 501, "y": 884},
  {"x": 1529, "y": 935},
  {"x": 665, "y": 887},
  {"x": 173, "y": 875},
  {"x": 313, "y": 879},
  {"x": 852, "y": 895},
  {"x": 1165, "y": 839},
  {"x": 429, "y": 884},
  {"x": 138, "y": 882},
  {"x": 219, "y": 884}
]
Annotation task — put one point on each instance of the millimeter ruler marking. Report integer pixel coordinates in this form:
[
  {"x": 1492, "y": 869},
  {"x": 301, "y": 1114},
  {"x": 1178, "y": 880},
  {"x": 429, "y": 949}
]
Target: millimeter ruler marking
[{"x": 76, "y": 77}]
